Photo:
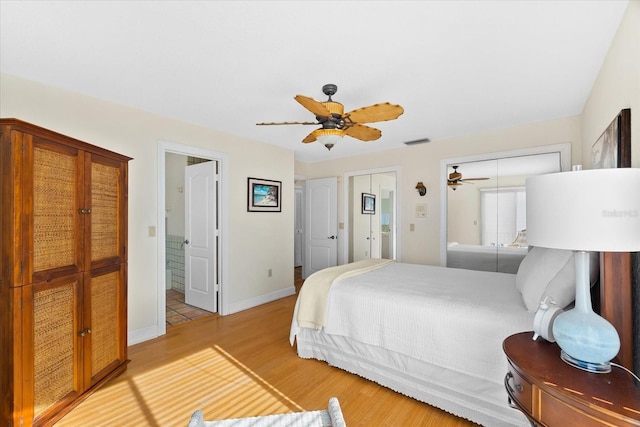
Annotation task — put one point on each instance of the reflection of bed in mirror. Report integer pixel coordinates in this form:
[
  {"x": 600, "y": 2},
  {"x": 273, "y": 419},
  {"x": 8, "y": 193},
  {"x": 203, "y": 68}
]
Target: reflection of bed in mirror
[{"x": 504, "y": 259}]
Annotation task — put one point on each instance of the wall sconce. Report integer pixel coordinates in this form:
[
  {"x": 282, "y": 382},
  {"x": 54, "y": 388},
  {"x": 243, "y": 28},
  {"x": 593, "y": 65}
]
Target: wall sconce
[{"x": 422, "y": 190}]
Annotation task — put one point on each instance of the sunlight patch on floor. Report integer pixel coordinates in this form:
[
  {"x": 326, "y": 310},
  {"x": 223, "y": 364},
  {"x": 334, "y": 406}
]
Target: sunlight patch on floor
[{"x": 211, "y": 380}]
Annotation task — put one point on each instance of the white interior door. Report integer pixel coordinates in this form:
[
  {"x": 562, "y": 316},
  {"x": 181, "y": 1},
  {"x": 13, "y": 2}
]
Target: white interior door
[
  {"x": 321, "y": 225},
  {"x": 201, "y": 236},
  {"x": 298, "y": 229}
]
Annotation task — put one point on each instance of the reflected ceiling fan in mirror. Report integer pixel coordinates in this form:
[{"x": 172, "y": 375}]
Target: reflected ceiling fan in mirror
[
  {"x": 455, "y": 179},
  {"x": 335, "y": 123}
]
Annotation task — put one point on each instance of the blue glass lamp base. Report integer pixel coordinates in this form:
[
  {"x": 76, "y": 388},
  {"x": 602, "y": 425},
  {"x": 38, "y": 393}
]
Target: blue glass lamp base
[
  {"x": 588, "y": 341},
  {"x": 598, "y": 368}
]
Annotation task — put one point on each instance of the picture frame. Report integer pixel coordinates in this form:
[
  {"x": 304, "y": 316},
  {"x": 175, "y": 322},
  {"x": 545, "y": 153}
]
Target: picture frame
[
  {"x": 613, "y": 148},
  {"x": 368, "y": 203},
  {"x": 264, "y": 195}
]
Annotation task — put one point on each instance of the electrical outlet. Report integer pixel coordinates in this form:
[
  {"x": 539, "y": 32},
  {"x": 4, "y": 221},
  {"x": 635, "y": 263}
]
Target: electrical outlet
[
  {"x": 269, "y": 273},
  {"x": 152, "y": 231},
  {"x": 412, "y": 227}
]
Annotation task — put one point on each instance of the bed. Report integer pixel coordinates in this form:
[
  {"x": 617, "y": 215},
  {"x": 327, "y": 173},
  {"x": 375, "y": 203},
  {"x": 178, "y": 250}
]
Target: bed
[
  {"x": 505, "y": 259},
  {"x": 432, "y": 333}
]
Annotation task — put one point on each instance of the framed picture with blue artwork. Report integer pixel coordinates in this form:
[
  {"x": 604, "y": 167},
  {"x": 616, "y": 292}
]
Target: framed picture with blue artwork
[
  {"x": 264, "y": 195},
  {"x": 368, "y": 203}
]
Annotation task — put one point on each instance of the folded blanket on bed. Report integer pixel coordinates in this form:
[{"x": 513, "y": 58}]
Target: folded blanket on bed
[{"x": 312, "y": 302}]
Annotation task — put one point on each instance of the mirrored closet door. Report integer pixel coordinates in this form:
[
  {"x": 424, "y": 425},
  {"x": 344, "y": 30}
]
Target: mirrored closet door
[
  {"x": 486, "y": 210},
  {"x": 371, "y": 216}
]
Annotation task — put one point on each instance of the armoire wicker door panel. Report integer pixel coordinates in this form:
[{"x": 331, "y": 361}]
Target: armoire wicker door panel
[
  {"x": 105, "y": 236},
  {"x": 55, "y": 174},
  {"x": 104, "y": 308},
  {"x": 53, "y": 347}
]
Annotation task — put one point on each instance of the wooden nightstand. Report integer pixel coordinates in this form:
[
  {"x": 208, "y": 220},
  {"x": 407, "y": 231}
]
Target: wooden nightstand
[{"x": 552, "y": 393}]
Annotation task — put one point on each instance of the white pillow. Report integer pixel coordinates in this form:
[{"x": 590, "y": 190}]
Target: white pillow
[{"x": 547, "y": 273}]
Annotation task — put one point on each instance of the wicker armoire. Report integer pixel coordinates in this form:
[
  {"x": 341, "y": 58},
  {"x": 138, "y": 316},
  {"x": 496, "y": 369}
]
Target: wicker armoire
[{"x": 63, "y": 271}]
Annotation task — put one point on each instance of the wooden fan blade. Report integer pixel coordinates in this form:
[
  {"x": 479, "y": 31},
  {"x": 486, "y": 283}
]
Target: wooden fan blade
[
  {"x": 285, "y": 123},
  {"x": 375, "y": 113},
  {"x": 310, "y": 138},
  {"x": 316, "y": 107},
  {"x": 363, "y": 132},
  {"x": 473, "y": 179}
]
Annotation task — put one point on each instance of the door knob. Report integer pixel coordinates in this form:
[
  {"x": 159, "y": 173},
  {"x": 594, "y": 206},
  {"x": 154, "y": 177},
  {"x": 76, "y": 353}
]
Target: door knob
[
  {"x": 186, "y": 242},
  {"x": 332, "y": 237}
]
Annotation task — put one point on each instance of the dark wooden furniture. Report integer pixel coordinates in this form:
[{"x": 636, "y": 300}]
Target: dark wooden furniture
[
  {"x": 552, "y": 393},
  {"x": 616, "y": 303},
  {"x": 63, "y": 271}
]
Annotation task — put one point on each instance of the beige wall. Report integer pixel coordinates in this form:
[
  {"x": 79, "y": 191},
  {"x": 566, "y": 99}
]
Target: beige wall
[
  {"x": 617, "y": 87},
  {"x": 257, "y": 241},
  {"x": 422, "y": 163}
]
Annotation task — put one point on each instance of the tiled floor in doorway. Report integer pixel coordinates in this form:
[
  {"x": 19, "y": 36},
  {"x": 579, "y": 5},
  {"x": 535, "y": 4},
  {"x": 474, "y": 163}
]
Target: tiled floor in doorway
[{"x": 178, "y": 312}]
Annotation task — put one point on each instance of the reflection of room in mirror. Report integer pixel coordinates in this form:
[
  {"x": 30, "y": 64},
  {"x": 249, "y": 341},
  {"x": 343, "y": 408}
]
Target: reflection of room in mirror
[{"x": 486, "y": 219}]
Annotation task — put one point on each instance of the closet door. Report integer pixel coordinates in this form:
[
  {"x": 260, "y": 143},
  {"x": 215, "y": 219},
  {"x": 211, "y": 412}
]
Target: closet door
[{"x": 53, "y": 192}]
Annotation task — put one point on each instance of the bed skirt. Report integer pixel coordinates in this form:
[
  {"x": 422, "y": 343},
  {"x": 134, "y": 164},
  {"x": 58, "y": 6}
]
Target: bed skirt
[{"x": 465, "y": 396}]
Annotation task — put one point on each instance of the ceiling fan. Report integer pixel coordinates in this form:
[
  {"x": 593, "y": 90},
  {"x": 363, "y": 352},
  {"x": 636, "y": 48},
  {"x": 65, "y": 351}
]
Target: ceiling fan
[
  {"x": 336, "y": 123},
  {"x": 455, "y": 179}
]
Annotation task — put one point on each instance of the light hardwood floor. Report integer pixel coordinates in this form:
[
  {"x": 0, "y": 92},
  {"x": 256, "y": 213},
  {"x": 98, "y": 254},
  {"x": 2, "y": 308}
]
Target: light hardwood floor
[{"x": 236, "y": 366}]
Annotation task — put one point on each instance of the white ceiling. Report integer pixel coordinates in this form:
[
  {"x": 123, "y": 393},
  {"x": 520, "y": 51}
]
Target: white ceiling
[{"x": 457, "y": 67}]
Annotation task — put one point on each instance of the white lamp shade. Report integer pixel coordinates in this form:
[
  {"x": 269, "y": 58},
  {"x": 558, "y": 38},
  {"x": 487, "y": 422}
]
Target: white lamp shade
[{"x": 587, "y": 210}]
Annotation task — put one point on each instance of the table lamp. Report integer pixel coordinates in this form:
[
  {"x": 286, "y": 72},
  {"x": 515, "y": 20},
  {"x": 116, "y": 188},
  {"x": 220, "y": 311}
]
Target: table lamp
[{"x": 584, "y": 211}]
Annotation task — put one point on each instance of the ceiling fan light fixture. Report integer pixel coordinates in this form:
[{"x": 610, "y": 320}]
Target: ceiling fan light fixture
[
  {"x": 328, "y": 137},
  {"x": 336, "y": 123},
  {"x": 454, "y": 185}
]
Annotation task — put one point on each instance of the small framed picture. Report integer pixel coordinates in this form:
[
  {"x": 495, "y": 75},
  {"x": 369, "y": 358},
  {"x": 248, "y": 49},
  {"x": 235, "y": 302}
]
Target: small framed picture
[
  {"x": 264, "y": 195},
  {"x": 368, "y": 203}
]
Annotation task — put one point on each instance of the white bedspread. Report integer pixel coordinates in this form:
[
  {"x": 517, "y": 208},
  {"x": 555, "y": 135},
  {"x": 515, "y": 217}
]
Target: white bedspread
[{"x": 448, "y": 317}]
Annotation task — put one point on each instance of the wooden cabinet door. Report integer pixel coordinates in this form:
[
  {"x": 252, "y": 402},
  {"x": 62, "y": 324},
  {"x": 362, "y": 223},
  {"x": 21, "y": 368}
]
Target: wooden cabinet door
[
  {"x": 52, "y": 346},
  {"x": 105, "y": 321},
  {"x": 105, "y": 223},
  {"x": 52, "y": 199}
]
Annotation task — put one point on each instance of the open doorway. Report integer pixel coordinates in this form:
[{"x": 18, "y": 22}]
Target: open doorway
[
  {"x": 188, "y": 288},
  {"x": 298, "y": 236},
  {"x": 174, "y": 232}
]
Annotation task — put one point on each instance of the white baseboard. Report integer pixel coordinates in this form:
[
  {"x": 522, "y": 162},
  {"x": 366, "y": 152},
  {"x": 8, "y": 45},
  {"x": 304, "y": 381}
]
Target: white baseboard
[
  {"x": 262, "y": 299},
  {"x": 151, "y": 332}
]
